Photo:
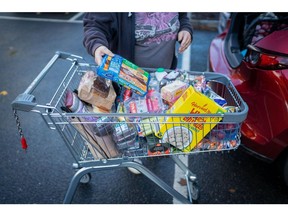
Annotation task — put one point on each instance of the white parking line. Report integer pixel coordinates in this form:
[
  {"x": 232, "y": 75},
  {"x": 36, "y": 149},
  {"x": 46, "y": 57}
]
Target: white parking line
[
  {"x": 186, "y": 59},
  {"x": 179, "y": 174},
  {"x": 41, "y": 19},
  {"x": 179, "y": 179},
  {"x": 76, "y": 16}
]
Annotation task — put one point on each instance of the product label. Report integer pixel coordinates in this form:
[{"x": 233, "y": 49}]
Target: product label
[
  {"x": 125, "y": 73},
  {"x": 186, "y": 131},
  {"x": 120, "y": 128}
]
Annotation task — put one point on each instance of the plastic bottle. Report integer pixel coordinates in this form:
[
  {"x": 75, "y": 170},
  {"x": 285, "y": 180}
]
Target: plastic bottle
[
  {"x": 160, "y": 73},
  {"x": 153, "y": 84},
  {"x": 153, "y": 97}
]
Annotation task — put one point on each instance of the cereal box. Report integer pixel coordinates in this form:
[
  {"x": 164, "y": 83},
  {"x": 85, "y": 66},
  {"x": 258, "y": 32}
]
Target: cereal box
[{"x": 184, "y": 132}]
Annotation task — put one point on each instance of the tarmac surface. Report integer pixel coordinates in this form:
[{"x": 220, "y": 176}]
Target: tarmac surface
[{"x": 42, "y": 174}]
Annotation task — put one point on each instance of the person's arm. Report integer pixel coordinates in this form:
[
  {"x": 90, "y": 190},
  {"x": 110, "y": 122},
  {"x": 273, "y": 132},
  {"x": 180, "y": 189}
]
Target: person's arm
[
  {"x": 98, "y": 32},
  {"x": 185, "y": 34}
]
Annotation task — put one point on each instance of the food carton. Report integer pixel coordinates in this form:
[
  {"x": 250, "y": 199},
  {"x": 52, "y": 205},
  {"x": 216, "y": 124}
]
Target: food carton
[
  {"x": 184, "y": 132},
  {"x": 172, "y": 91},
  {"x": 125, "y": 73}
]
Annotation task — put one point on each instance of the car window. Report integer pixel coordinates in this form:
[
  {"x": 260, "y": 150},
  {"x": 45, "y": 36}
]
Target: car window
[
  {"x": 248, "y": 28},
  {"x": 257, "y": 28}
]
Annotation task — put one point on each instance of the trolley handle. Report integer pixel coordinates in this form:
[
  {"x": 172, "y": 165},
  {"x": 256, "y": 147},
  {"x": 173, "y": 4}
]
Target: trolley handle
[{"x": 26, "y": 101}]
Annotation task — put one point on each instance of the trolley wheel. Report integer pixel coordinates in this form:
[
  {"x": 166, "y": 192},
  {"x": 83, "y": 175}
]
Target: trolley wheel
[
  {"x": 194, "y": 191},
  {"x": 86, "y": 178}
]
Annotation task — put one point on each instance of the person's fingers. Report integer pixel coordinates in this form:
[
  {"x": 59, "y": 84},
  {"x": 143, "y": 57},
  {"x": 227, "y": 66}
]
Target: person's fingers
[
  {"x": 100, "y": 52},
  {"x": 180, "y": 36},
  {"x": 108, "y": 52},
  {"x": 185, "y": 40},
  {"x": 98, "y": 59}
]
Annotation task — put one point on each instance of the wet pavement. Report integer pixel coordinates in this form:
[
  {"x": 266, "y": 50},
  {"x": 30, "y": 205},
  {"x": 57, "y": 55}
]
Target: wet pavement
[{"x": 42, "y": 174}]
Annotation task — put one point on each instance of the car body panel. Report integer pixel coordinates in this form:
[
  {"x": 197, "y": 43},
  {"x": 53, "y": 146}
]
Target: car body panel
[
  {"x": 265, "y": 131},
  {"x": 276, "y": 41}
]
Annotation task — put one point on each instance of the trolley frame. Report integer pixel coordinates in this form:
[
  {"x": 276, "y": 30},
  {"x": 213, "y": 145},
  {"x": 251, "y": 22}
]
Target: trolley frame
[{"x": 87, "y": 163}]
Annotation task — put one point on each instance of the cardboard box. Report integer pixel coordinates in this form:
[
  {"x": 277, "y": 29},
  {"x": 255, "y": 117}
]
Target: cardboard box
[
  {"x": 186, "y": 131},
  {"x": 125, "y": 73},
  {"x": 100, "y": 147},
  {"x": 172, "y": 91}
]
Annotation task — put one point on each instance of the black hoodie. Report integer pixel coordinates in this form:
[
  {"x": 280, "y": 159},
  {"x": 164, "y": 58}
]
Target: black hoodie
[{"x": 116, "y": 31}]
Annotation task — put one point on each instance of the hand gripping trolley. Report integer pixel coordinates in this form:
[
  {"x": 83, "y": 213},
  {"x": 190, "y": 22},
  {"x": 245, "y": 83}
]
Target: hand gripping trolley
[{"x": 100, "y": 141}]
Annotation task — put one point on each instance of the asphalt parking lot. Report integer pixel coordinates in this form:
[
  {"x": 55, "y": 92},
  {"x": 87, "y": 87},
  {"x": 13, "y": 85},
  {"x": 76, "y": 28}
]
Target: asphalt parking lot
[{"x": 42, "y": 174}]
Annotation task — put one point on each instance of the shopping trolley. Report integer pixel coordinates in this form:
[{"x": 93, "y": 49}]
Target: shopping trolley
[{"x": 90, "y": 136}]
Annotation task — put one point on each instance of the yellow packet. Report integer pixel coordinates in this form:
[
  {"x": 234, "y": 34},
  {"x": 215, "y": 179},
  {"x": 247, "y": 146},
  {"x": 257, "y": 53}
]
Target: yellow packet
[{"x": 185, "y": 132}]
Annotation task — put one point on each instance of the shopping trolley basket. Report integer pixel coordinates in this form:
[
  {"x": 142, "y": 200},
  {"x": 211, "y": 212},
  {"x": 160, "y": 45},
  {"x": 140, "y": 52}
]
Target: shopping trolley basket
[{"x": 111, "y": 140}]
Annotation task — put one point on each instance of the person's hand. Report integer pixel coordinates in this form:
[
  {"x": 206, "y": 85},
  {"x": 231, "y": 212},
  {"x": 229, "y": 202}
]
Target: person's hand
[
  {"x": 185, "y": 40},
  {"x": 100, "y": 52}
]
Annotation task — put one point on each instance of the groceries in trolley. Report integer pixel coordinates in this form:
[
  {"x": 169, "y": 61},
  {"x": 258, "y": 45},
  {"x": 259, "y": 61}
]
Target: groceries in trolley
[
  {"x": 187, "y": 131},
  {"x": 101, "y": 124},
  {"x": 158, "y": 149},
  {"x": 221, "y": 137},
  {"x": 169, "y": 118},
  {"x": 125, "y": 136},
  {"x": 172, "y": 91},
  {"x": 97, "y": 91}
]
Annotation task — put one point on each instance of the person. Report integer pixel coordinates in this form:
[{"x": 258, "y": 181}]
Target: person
[{"x": 146, "y": 39}]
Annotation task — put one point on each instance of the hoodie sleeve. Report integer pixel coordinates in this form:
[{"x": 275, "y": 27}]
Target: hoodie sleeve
[
  {"x": 185, "y": 23},
  {"x": 98, "y": 30}
]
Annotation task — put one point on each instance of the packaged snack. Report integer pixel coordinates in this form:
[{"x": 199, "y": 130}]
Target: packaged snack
[
  {"x": 231, "y": 109},
  {"x": 103, "y": 126},
  {"x": 133, "y": 152},
  {"x": 125, "y": 73},
  {"x": 120, "y": 110},
  {"x": 224, "y": 132},
  {"x": 172, "y": 91},
  {"x": 146, "y": 126},
  {"x": 169, "y": 77},
  {"x": 172, "y": 75},
  {"x": 102, "y": 86},
  {"x": 73, "y": 104},
  {"x": 199, "y": 83},
  {"x": 154, "y": 102},
  {"x": 219, "y": 100},
  {"x": 96, "y": 91},
  {"x": 96, "y": 109},
  {"x": 100, "y": 147},
  {"x": 127, "y": 93},
  {"x": 124, "y": 135},
  {"x": 135, "y": 105},
  {"x": 124, "y": 131},
  {"x": 100, "y": 126},
  {"x": 158, "y": 149}
]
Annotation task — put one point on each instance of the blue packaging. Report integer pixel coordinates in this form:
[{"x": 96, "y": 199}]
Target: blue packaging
[{"x": 125, "y": 73}]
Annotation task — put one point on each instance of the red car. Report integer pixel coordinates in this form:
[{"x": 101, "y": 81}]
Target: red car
[{"x": 253, "y": 52}]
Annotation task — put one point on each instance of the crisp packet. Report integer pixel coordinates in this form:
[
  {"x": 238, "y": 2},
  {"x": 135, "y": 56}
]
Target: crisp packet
[{"x": 125, "y": 73}]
